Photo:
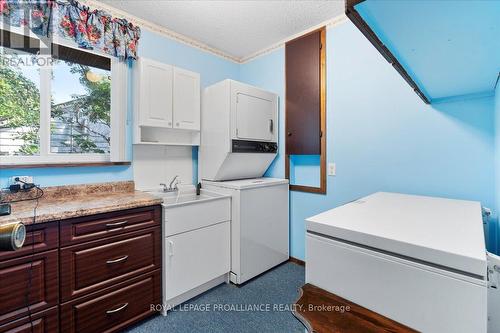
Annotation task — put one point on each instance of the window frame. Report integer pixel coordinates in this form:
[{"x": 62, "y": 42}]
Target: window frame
[{"x": 118, "y": 112}]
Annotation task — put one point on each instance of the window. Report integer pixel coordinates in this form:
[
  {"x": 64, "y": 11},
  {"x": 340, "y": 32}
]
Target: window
[
  {"x": 19, "y": 107},
  {"x": 59, "y": 103}
]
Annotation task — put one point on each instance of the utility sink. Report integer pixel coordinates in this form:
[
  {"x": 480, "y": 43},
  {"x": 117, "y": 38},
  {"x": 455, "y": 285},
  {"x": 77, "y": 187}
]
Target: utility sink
[
  {"x": 172, "y": 199},
  {"x": 185, "y": 196},
  {"x": 196, "y": 243},
  {"x": 183, "y": 210}
]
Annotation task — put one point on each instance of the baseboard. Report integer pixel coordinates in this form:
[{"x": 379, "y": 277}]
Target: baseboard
[
  {"x": 173, "y": 302},
  {"x": 297, "y": 261}
]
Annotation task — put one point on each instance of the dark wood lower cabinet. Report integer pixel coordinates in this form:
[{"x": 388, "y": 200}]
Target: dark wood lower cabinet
[
  {"x": 39, "y": 238},
  {"x": 42, "y": 322},
  {"x": 16, "y": 290},
  {"x": 95, "y": 265},
  {"x": 93, "y": 281},
  {"x": 88, "y": 228},
  {"x": 113, "y": 309}
]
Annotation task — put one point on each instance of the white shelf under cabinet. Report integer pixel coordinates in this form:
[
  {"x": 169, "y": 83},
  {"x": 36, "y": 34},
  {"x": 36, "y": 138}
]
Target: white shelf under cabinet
[{"x": 146, "y": 135}]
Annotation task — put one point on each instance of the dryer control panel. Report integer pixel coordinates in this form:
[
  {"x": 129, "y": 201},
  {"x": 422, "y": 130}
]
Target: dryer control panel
[{"x": 243, "y": 146}]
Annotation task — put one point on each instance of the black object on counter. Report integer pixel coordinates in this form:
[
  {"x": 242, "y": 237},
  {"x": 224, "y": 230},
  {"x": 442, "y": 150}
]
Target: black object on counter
[
  {"x": 198, "y": 189},
  {"x": 5, "y": 209}
]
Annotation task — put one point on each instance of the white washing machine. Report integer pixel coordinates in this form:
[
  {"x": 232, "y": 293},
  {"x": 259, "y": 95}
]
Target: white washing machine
[
  {"x": 239, "y": 140},
  {"x": 259, "y": 224}
]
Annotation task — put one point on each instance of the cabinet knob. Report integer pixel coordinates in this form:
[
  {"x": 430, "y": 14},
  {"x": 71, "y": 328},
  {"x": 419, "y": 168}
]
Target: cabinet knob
[
  {"x": 170, "y": 123},
  {"x": 177, "y": 124},
  {"x": 289, "y": 134}
]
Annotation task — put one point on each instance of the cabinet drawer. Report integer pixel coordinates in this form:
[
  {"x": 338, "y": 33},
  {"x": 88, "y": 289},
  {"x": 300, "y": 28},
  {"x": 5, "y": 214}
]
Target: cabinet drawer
[
  {"x": 39, "y": 237},
  {"x": 43, "y": 322},
  {"x": 180, "y": 219},
  {"x": 88, "y": 228},
  {"x": 112, "y": 310},
  {"x": 14, "y": 284},
  {"x": 94, "y": 265}
]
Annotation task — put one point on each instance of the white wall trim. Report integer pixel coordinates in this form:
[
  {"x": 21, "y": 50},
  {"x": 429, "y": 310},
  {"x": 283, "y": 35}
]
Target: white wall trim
[
  {"x": 159, "y": 29},
  {"x": 337, "y": 20},
  {"x": 200, "y": 45}
]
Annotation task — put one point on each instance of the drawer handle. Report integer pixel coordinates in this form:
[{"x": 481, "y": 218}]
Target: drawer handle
[
  {"x": 116, "y": 224},
  {"x": 115, "y": 261},
  {"x": 118, "y": 309}
]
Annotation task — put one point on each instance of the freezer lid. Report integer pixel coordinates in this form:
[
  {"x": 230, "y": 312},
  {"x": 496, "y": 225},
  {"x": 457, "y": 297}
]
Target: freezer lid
[
  {"x": 242, "y": 184},
  {"x": 440, "y": 231}
]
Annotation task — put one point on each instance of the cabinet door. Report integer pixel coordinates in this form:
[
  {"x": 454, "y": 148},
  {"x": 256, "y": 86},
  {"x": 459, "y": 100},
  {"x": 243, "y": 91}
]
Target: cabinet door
[
  {"x": 28, "y": 284},
  {"x": 42, "y": 322},
  {"x": 155, "y": 100},
  {"x": 186, "y": 99},
  {"x": 196, "y": 257}
]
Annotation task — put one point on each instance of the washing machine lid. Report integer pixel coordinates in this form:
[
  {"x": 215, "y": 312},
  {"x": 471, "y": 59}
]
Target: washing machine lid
[
  {"x": 444, "y": 232},
  {"x": 241, "y": 184}
]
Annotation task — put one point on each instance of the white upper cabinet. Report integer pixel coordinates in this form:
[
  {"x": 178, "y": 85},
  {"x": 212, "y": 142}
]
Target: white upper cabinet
[
  {"x": 186, "y": 106},
  {"x": 167, "y": 104},
  {"x": 156, "y": 92}
]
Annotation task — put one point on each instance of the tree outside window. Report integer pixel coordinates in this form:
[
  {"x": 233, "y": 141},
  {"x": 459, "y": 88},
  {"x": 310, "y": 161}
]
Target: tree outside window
[{"x": 80, "y": 106}]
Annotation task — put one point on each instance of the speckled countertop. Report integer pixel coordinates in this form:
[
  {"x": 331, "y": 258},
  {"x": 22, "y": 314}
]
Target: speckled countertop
[{"x": 63, "y": 202}]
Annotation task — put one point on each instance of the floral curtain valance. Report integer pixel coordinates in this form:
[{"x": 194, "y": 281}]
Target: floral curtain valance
[{"x": 90, "y": 29}]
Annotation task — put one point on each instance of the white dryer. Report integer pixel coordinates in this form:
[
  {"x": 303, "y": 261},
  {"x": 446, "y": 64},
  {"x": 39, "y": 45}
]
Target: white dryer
[{"x": 239, "y": 131}]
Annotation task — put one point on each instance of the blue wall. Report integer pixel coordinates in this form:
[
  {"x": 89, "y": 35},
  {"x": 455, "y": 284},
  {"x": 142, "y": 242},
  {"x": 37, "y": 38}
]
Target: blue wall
[
  {"x": 154, "y": 46},
  {"x": 380, "y": 134},
  {"x": 494, "y": 233},
  {"x": 382, "y": 137},
  {"x": 439, "y": 42}
]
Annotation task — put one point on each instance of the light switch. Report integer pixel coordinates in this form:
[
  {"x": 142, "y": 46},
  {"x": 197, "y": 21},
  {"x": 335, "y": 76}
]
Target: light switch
[{"x": 331, "y": 169}]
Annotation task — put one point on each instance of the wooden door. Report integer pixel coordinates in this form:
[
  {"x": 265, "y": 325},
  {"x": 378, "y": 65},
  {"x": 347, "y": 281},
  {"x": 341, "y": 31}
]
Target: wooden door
[{"x": 303, "y": 95}]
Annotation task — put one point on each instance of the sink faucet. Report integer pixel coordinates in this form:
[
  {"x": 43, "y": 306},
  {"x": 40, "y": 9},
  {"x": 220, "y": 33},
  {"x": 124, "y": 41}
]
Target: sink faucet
[{"x": 171, "y": 187}]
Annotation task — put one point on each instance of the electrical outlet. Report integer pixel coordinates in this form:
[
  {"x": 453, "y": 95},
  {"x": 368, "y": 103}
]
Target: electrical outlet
[
  {"x": 331, "y": 169},
  {"x": 25, "y": 179}
]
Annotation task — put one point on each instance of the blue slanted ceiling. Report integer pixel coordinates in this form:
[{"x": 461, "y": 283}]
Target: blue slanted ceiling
[{"x": 451, "y": 49}]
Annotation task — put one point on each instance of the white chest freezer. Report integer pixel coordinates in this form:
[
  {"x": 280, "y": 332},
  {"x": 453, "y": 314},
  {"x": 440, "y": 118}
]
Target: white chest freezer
[{"x": 421, "y": 261}]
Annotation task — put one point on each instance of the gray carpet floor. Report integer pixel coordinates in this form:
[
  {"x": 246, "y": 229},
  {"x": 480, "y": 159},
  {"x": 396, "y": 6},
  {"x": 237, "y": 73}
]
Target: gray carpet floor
[{"x": 260, "y": 305}]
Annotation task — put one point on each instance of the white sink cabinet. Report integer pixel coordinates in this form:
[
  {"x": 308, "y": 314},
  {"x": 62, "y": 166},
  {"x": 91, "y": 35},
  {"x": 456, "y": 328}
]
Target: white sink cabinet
[{"x": 196, "y": 244}]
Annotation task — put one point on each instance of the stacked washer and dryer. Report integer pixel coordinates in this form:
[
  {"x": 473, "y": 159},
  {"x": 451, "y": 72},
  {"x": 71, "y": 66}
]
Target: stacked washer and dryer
[{"x": 239, "y": 141}]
